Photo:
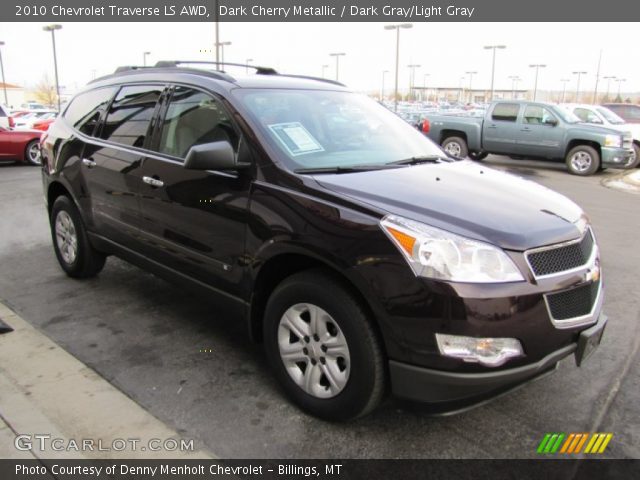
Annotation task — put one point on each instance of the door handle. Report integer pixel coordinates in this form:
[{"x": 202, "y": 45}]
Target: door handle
[
  {"x": 154, "y": 182},
  {"x": 88, "y": 162}
]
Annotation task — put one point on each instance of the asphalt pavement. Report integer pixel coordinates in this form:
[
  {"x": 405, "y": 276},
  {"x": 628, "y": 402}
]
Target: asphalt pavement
[{"x": 193, "y": 367}]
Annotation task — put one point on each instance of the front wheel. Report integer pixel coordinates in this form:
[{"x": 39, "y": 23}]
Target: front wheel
[
  {"x": 456, "y": 147},
  {"x": 32, "y": 153},
  {"x": 75, "y": 254},
  {"x": 583, "y": 160},
  {"x": 322, "y": 347},
  {"x": 634, "y": 161},
  {"x": 478, "y": 156}
]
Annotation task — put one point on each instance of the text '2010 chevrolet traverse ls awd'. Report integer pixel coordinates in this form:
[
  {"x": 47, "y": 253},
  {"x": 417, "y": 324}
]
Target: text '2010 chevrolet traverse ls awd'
[{"x": 363, "y": 257}]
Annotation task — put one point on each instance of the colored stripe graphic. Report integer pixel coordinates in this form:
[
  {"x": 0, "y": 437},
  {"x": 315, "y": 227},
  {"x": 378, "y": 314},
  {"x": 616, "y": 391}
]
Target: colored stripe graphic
[{"x": 573, "y": 443}]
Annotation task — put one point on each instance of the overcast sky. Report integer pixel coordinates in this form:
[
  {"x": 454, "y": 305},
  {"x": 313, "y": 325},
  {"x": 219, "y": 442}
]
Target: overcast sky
[{"x": 445, "y": 51}]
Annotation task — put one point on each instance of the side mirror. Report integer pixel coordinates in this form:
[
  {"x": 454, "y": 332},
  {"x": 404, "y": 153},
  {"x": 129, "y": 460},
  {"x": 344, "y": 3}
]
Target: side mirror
[
  {"x": 551, "y": 121},
  {"x": 212, "y": 156}
]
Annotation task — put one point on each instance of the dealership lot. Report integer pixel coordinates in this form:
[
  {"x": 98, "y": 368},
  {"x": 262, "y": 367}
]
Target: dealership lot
[{"x": 194, "y": 368}]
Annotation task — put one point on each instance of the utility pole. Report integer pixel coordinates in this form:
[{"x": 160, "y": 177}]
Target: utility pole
[{"x": 397, "y": 29}]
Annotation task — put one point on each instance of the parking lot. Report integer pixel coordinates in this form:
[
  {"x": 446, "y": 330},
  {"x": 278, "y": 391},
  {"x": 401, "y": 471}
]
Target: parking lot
[{"x": 194, "y": 368}]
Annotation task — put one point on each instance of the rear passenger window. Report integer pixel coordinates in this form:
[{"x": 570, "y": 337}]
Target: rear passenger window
[
  {"x": 85, "y": 109},
  {"x": 194, "y": 118},
  {"x": 128, "y": 119},
  {"x": 505, "y": 112}
]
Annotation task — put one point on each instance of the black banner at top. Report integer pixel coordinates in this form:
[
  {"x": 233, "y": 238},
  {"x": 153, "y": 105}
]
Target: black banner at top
[{"x": 318, "y": 11}]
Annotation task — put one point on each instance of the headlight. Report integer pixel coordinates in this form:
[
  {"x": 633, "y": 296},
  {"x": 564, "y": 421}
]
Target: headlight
[
  {"x": 442, "y": 255},
  {"x": 613, "y": 141}
]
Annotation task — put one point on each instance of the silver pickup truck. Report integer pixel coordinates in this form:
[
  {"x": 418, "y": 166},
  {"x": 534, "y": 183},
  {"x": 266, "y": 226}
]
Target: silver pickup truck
[{"x": 523, "y": 129}]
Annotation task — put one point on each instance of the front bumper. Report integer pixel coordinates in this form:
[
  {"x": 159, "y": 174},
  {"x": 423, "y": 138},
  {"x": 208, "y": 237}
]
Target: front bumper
[
  {"x": 436, "y": 386},
  {"x": 616, "y": 157}
]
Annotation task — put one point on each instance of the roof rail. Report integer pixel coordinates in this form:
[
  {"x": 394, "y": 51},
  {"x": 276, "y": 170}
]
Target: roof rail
[
  {"x": 175, "y": 63},
  {"x": 318, "y": 79},
  {"x": 126, "y": 68}
]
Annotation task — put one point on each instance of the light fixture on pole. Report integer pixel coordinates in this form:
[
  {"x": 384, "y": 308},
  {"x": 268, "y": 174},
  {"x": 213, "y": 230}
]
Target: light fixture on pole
[
  {"x": 514, "y": 83},
  {"x": 493, "y": 62},
  {"x": 537, "y": 66},
  {"x": 249, "y": 60},
  {"x": 471, "y": 74},
  {"x": 564, "y": 87},
  {"x": 144, "y": 58},
  {"x": 52, "y": 28},
  {"x": 337, "y": 55},
  {"x": 412, "y": 79},
  {"x": 221, "y": 45},
  {"x": 397, "y": 28},
  {"x": 4, "y": 85},
  {"x": 608, "y": 79},
  {"x": 579, "y": 74},
  {"x": 384, "y": 73}
]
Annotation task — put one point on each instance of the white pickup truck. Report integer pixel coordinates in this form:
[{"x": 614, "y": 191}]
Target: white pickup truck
[{"x": 599, "y": 115}]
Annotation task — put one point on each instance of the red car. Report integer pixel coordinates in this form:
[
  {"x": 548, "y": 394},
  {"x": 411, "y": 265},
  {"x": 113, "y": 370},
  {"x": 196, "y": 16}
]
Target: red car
[
  {"x": 43, "y": 125},
  {"x": 20, "y": 145}
]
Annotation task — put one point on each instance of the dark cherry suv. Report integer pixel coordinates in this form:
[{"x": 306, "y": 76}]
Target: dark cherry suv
[{"x": 363, "y": 257}]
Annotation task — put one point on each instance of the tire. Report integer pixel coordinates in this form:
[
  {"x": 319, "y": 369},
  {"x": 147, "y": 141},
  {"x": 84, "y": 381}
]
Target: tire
[
  {"x": 357, "y": 367},
  {"x": 635, "y": 161},
  {"x": 478, "y": 156},
  {"x": 456, "y": 147},
  {"x": 32, "y": 153},
  {"x": 74, "y": 252},
  {"x": 583, "y": 160}
]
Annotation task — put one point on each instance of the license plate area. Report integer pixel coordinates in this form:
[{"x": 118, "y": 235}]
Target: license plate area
[{"x": 589, "y": 340}]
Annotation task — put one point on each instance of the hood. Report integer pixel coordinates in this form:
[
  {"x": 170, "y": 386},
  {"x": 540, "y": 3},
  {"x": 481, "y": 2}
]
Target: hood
[
  {"x": 468, "y": 199},
  {"x": 600, "y": 129}
]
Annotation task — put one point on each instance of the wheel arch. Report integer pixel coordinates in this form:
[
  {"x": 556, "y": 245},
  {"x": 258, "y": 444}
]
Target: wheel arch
[
  {"x": 578, "y": 142},
  {"x": 282, "y": 265}
]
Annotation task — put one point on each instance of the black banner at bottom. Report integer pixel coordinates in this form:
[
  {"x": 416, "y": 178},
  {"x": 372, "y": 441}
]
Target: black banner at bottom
[{"x": 543, "y": 469}]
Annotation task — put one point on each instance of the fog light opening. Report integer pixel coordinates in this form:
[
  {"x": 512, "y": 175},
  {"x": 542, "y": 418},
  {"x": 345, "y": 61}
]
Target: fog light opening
[{"x": 490, "y": 352}]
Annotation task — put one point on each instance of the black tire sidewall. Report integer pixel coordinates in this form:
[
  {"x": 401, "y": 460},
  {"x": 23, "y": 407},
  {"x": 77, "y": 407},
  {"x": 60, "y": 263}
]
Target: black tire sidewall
[
  {"x": 464, "y": 149},
  {"x": 595, "y": 160},
  {"x": 26, "y": 153},
  {"x": 338, "y": 303},
  {"x": 82, "y": 265},
  {"x": 636, "y": 162}
]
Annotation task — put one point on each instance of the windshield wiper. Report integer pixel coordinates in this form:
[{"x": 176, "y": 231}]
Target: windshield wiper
[
  {"x": 349, "y": 169},
  {"x": 420, "y": 159}
]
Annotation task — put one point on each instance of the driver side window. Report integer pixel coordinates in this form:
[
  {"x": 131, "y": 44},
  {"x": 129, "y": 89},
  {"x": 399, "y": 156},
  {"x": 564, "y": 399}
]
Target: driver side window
[{"x": 194, "y": 118}]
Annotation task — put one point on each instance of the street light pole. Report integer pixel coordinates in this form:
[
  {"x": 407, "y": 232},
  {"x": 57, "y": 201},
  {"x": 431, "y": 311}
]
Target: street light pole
[
  {"x": 493, "y": 62},
  {"x": 514, "y": 83},
  {"x": 4, "y": 84},
  {"x": 537, "y": 66},
  {"x": 608, "y": 79},
  {"x": 337, "y": 55},
  {"x": 471, "y": 74},
  {"x": 412, "y": 79},
  {"x": 564, "y": 87},
  {"x": 249, "y": 60},
  {"x": 384, "y": 73},
  {"x": 221, "y": 45},
  {"x": 424, "y": 85},
  {"x": 52, "y": 28},
  {"x": 397, "y": 28},
  {"x": 144, "y": 58},
  {"x": 578, "y": 85},
  {"x": 217, "y": 42},
  {"x": 620, "y": 80},
  {"x": 323, "y": 67}
]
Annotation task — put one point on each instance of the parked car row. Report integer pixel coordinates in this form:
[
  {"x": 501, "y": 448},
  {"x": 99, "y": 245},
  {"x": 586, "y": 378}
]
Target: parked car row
[
  {"x": 542, "y": 130},
  {"x": 20, "y": 132}
]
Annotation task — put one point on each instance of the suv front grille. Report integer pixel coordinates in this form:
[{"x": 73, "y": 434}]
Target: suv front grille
[
  {"x": 550, "y": 260},
  {"x": 573, "y": 303}
]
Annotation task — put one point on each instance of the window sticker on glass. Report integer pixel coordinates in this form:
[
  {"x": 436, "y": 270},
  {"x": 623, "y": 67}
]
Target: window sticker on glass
[{"x": 296, "y": 139}]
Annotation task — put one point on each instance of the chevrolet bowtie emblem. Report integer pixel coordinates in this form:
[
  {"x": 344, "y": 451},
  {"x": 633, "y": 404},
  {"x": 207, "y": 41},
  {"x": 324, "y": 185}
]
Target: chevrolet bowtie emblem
[{"x": 593, "y": 274}]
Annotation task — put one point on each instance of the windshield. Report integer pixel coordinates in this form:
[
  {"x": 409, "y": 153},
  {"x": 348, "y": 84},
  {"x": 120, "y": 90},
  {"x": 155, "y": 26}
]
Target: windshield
[
  {"x": 327, "y": 129},
  {"x": 610, "y": 116},
  {"x": 567, "y": 116}
]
